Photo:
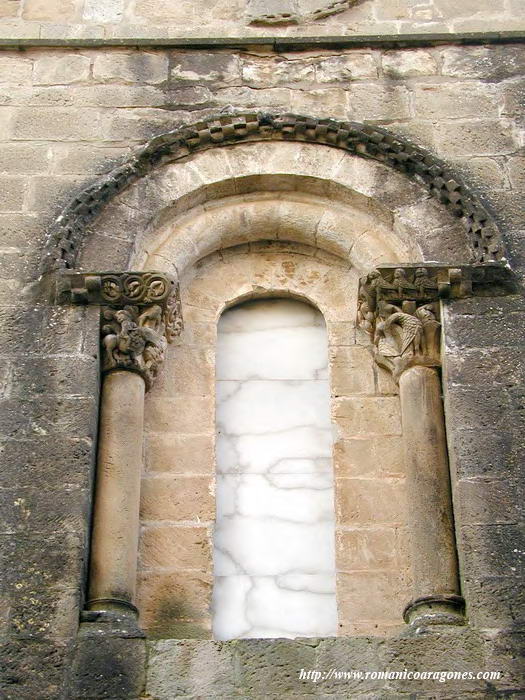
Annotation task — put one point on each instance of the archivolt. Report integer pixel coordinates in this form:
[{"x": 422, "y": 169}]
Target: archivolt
[{"x": 362, "y": 140}]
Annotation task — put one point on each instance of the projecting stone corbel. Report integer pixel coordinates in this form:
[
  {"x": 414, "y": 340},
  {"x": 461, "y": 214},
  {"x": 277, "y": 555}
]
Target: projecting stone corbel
[
  {"x": 399, "y": 307},
  {"x": 141, "y": 314}
]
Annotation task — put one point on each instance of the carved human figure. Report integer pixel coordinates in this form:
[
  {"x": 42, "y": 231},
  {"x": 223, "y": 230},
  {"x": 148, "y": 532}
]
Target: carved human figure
[{"x": 430, "y": 341}]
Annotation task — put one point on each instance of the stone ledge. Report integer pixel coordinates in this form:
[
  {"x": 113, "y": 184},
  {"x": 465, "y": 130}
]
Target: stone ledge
[{"x": 277, "y": 44}]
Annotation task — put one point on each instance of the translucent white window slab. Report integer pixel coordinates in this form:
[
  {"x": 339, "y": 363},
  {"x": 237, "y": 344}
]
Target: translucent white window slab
[{"x": 274, "y": 560}]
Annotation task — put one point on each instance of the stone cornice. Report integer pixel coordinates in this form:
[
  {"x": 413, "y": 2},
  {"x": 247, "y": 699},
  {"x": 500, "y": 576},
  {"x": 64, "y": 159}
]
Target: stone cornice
[
  {"x": 70, "y": 36},
  {"x": 141, "y": 313}
]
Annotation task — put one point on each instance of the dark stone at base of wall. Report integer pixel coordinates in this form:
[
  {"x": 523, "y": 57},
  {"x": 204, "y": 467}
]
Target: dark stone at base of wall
[{"x": 109, "y": 665}]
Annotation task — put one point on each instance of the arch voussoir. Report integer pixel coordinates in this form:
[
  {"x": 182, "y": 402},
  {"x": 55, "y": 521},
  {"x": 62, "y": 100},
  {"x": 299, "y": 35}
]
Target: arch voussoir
[{"x": 69, "y": 229}]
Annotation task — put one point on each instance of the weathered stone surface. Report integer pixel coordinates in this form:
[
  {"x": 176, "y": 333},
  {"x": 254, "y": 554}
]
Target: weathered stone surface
[
  {"x": 408, "y": 64},
  {"x": 183, "y": 547},
  {"x": 206, "y": 668},
  {"x": 52, "y": 70},
  {"x": 131, "y": 67},
  {"x": 483, "y": 62},
  {"x": 108, "y": 667},
  {"x": 177, "y": 498},
  {"x": 197, "y": 68}
]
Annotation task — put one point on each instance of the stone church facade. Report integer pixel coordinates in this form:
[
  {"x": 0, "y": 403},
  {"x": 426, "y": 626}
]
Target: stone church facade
[{"x": 163, "y": 163}]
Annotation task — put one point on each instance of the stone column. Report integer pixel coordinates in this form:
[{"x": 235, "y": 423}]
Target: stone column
[
  {"x": 436, "y": 580},
  {"x": 140, "y": 315},
  {"x": 114, "y": 541},
  {"x": 401, "y": 312}
]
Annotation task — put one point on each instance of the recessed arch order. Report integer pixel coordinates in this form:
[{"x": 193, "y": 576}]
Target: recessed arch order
[{"x": 70, "y": 229}]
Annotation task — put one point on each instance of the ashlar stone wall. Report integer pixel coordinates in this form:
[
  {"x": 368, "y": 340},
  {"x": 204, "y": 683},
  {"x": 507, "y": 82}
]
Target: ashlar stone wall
[
  {"x": 88, "y": 19},
  {"x": 68, "y": 116}
]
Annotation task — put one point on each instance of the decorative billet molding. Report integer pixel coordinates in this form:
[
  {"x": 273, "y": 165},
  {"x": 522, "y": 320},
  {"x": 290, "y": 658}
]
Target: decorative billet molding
[
  {"x": 141, "y": 313},
  {"x": 398, "y": 306},
  {"x": 69, "y": 230},
  {"x": 291, "y": 12}
]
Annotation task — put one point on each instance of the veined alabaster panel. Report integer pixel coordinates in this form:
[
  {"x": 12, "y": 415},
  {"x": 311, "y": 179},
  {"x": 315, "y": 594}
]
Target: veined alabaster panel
[{"x": 274, "y": 559}]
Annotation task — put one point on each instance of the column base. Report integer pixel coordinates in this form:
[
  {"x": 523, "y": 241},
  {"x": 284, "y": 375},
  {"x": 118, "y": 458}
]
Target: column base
[
  {"x": 435, "y": 610},
  {"x": 114, "y": 605}
]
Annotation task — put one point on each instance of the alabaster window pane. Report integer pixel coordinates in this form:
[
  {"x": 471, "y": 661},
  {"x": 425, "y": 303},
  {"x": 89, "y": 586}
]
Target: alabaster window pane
[{"x": 274, "y": 560}]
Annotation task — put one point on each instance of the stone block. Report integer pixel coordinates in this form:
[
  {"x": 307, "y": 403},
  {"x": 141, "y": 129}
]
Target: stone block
[
  {"x": 178, "y": 668},
  {"x": 489, "y": 63},
  {"x": 39, "y": 462},
  {"x": 516, "y": 168},
  {"x": 108, "y": 11},
  {"x": 285, "y": 658},
  {"x": 409, "y": 63},
  {"x": 371, "y": 596},
  {"x": 23, "y": 158},
  {"x": 167, "y": 599},
  {"x": 486, "y": 173},
  {"x": 351, "y": 371},
  {"x": 9, "y": 8},
  {"x": 21, "y": 419},
  {"x": 74, "y": 376},
  {"x": 172, "y": 415},
  {"x": 191, "y": 372},
  {"x": 197, "y": 68},
  {"x": 451, "y": 9},
  {"x": 438, "y": 101},
  {"x": 494, "y": 602},
  {"x": 475, "y": 137},
  {"x": 366, "y": 549},
  {"x": 20, "y": 229},
  {"x": 56, "y": 124},
  {"x": 31, "y": 669},
  {"x": 485, "y": 453},
  {"x": 505, "y": 651},
  {"x": 177, "y": 498},
  {"x": 489, "y": 501},
  {"x": 450, "y": 649},
  {"x": 362, "y": 417},
  {"x": 180, "y": 454},
  {"x": 376, "y": 101},
  {"x": 492, "y": 550},
  {"x": 12, "y": 192},
  {"x": 357, "y": 65},
  {"x": 136, "y": 125},
  {"x": 513, "y": 92},
  {"x": 43, "y": 511},
  {"x": 108, "y": 667},
  {"x": 51, "y": 10},
  {"x": 369, "y": 457},
  {"x": 130, "y": 67},
  {"x": 264, "y": 72},
  {"x": 61, "y": 68},
  {"x": 15, "y": 70},
  {"x": 270, "y": 11},
  {"x": 486, "y": 410},
  {"x": 346, "y": 654},
  {"x": 176, "y": 548},
  {"x": 499, "y": 364},
  {"x": 79, "y": 159},
  {"x": 370, "y": 501}
]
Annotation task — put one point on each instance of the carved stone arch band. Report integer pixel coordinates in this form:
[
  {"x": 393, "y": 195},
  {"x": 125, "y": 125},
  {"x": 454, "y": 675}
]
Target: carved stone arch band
[
  {"x": 69, "y": 229},
  {"x": 399, "y": 306}
]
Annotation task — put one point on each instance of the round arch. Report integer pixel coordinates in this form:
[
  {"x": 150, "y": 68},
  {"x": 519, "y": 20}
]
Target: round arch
[{"x": 70, "y": 229}]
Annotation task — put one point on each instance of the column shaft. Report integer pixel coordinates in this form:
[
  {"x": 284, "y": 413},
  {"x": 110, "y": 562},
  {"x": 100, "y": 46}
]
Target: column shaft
[
  {"x": 430, "y": 504},
  {"x": 116, "y": 513}
]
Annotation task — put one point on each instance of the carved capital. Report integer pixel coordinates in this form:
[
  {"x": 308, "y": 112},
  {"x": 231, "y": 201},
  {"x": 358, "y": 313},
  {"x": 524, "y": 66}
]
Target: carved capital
[
  {"x": 141, "y": 314},
  {"x": 398, "y": 306}
]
